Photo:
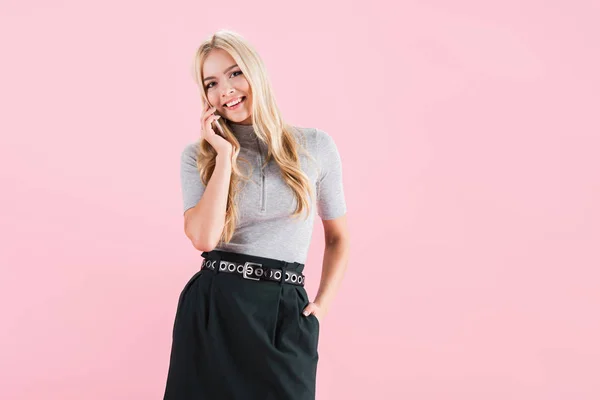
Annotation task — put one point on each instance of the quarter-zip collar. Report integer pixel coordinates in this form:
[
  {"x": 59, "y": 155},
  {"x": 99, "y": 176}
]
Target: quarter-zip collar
[{"x": 246, "y": 135}]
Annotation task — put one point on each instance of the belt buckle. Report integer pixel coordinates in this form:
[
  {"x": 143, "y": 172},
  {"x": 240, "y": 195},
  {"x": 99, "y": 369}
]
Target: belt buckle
[{"x": 245, "y": 274}]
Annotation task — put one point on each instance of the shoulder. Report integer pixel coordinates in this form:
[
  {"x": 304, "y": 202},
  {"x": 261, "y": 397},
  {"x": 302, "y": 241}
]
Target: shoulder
[
  {"x": 303, "y": 133},
  {"x": 324, "y": 140},
  {"x": 325, "y": 146},
  {"x": 314, "y": 139},
  {"x": 190, "y": 151}
]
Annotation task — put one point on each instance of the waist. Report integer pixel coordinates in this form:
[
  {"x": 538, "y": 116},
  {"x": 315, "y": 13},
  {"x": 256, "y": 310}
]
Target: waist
[{"x": 254, "y": 267}]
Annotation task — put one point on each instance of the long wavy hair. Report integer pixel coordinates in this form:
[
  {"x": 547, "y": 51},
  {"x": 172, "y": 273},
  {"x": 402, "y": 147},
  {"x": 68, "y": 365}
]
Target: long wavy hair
[{"x": 267, "y": 122}]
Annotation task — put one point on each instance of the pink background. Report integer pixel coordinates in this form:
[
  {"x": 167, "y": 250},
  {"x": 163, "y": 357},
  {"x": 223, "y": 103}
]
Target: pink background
[{"x": 469, "y": 134}]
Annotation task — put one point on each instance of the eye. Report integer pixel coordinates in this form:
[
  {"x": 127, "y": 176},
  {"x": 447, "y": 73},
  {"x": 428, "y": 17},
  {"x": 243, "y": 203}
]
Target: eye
[{"x": 232, "y": 74}]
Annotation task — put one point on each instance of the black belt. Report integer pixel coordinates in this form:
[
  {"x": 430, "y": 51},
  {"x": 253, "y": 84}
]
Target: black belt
[{"x": 255, "y": 271}]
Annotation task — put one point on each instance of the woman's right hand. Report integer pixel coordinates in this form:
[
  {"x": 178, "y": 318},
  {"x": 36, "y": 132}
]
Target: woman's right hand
[{"x": 218, "y": 142}]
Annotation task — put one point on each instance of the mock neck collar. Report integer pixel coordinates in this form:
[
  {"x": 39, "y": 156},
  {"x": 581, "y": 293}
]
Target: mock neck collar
[
  {"x": 247, "y": 137},
  {"x": 240, "y": 129}
]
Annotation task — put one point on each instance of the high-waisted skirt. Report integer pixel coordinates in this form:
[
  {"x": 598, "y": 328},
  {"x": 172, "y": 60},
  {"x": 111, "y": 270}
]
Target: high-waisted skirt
[{"x": 242, "y": 339}]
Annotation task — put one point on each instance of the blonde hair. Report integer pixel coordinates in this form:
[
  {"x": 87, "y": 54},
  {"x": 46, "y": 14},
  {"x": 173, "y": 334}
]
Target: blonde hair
[{"x": 267, "y": 122}]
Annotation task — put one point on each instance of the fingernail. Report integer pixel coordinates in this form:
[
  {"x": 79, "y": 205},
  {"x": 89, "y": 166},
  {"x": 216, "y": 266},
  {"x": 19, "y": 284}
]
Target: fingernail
[{"x": 305, "y": 313}]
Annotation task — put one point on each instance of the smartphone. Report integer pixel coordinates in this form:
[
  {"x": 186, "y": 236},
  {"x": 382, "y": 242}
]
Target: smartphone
[
  {"x": 218, "y": 123},
  {"x": 219, "y": 128}
]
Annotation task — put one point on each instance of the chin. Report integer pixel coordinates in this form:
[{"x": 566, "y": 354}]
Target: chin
[
  {"x": 245, "y": 118},
  {"x": 242, "y": 116}
]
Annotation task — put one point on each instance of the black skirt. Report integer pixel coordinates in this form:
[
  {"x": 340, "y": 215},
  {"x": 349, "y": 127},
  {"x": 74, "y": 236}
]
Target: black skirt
[{"x": 241, "y": 339}]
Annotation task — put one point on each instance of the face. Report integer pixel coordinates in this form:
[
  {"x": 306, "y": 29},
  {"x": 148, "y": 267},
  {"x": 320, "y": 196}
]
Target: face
[{"x": 225, "y": 82}]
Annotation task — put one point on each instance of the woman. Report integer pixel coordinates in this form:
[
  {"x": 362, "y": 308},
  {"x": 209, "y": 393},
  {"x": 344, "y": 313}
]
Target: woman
[{"x": 244, "y": 327}]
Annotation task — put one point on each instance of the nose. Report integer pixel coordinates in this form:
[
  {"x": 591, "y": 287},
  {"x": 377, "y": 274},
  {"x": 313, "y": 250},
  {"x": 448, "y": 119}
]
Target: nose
[{"x": 228, "y": 91}]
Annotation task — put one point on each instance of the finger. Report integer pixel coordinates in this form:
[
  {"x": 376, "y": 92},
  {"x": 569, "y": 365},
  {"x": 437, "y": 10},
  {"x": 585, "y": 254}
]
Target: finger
[
  {"x": 307, "y": 311},
  {"x": 206, "y": 116},
  {"x": 209, "y": 112},
  {"x": 206, "y": 120},
  {"x": 209, "y": 121},
  {"x": 215, "y": 127},
  {"x": 212, "y": 119}
]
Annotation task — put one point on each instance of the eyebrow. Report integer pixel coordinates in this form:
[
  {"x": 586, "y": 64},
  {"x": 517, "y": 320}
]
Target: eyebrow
[{"x": 212, "y": 77}]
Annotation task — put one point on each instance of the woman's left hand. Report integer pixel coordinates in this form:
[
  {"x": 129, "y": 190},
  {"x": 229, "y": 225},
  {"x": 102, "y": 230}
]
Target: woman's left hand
[{"x": 314, "y": 308}]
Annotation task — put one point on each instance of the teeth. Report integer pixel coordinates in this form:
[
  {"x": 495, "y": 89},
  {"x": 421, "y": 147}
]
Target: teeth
[{"x": 233, "y": 103}]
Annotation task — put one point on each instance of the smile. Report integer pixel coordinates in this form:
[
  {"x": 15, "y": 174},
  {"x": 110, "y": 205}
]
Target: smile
[{"x": 235, "y": 105}]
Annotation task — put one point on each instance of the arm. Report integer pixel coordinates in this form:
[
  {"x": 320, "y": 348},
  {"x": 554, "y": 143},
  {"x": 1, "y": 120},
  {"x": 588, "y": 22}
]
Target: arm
[
  {"x": 204, "y": 221},
  {"x": 332, "y": 210},
  {"x": 335, "y": 261}
]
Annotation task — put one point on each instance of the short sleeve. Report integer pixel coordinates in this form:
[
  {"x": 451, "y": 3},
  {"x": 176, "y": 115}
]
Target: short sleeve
[
  {"x": 331, "y": 202},
  {"x": 192, "y": 187}
]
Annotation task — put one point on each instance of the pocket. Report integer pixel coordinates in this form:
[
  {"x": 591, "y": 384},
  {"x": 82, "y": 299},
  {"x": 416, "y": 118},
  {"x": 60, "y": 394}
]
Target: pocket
[
  {"x": 315, "y": 327},
  {"x": 305, "y": 301},
  {"x": 317, "y": 323},
  {"x": 311, "y": 326},
  {"x": 316, "y": 318}
]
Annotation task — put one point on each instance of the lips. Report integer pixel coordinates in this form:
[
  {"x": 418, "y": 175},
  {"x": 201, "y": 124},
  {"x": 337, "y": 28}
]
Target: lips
[{"x": 242, "y": 97}]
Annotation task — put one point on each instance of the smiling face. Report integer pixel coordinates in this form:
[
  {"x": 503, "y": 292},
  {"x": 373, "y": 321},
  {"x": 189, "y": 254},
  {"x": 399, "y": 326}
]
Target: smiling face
[{"x": 224, "y": 82}]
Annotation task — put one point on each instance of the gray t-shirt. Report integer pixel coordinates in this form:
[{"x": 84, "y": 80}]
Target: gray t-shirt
[{"x": 265, "y": 204}]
